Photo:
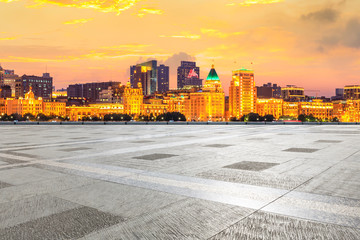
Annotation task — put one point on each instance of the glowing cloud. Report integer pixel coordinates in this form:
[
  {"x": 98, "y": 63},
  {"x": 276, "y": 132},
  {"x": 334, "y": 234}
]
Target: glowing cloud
[
  {"x": 78, "y": 21},
  {"x": 183, "y": 35},
  {"x": 116, "y": 6},
  {"x": 254, "y": 2},
  {"x": 7, "y": 38},
  {"x": 217, "y": 33},
  {"x": 143, "y": 11}
]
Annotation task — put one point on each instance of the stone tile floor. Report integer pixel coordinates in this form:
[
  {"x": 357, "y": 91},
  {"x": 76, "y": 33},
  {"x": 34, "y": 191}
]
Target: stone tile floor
[{"x": 180, "y": 182}]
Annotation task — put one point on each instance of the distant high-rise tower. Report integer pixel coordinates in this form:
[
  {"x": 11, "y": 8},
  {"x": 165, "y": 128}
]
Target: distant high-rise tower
[
  {"x": 146, "y": 74},
  {"x": 163, "y": 78},
  {"x": 183, "y": 72},
  {"x": 242, "y": 93}
]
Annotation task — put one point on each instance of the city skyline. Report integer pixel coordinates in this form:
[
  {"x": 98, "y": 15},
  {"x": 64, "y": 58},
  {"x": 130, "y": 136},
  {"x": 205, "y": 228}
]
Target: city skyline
[{"x": 317, "y": 47}]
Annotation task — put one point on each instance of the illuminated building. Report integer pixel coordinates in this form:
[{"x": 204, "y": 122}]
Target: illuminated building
[
  {"x": 352, "y": 92},
  {"x": 347, "y": 111},
  {"x": 77, "y": 113},
  {"x": 270, "y": 106},
  {"x": 154, "y": 107},
  {"x": 292, "y": 93},
  {"x": 209, "y": 103},
  {"x": 146, "y": 74},
  {"x": 242, "y": 93},
  {"x": 163, "y": 78},
  {"x": 183, "y": 72},
  {"x": 317, "y": 108},
  {"x": 33, "y": 105},
  {"x": 133, "y": 100},
  {"x": 41, "y": 86},
  {"x": 89, "y": 92},
  {"x": 291, "y": 109},
  {"x": 54, "y": 108},
  {"x": 21, "y": 106},
  {"x": 61, "y": 93},
  {"x": 176, "y": 101},
  {"x": 112, "y": 94}
]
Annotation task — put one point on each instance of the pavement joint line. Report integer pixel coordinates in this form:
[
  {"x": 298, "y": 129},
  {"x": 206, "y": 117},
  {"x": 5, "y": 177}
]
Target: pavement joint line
[{"x": 261, "y": 209}]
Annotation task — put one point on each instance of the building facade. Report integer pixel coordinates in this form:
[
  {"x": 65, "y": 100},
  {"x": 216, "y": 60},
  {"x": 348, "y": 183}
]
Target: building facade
[
  {"x": 145, "y": 73},
  {"x": 207, "y": 104},
  {"x": 41, "y": 86},
  {"x": 89, "y": 91},
  {"x": 163, "y": 78},
  {"x": 270, "y": 106},
  {"x": 352, "y": 92},
  {"x": 292, "y": 93},
  {"x": 183, "y": 72},
  {"x": 242, "y": 93}
]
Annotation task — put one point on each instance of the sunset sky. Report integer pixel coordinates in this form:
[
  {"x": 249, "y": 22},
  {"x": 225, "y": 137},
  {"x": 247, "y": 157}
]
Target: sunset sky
[{"x": 312, "y": 44}]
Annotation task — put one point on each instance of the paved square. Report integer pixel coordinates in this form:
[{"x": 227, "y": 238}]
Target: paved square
[{"x": 180, "y": 182}]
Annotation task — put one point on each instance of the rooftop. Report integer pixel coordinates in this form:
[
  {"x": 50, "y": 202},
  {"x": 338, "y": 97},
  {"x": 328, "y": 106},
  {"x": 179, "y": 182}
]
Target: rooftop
[{"x": 180, "y": 182}]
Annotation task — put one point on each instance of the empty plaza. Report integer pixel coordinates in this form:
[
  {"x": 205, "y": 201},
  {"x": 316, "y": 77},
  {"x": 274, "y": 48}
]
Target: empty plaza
[{"x": 177, "y": 181}]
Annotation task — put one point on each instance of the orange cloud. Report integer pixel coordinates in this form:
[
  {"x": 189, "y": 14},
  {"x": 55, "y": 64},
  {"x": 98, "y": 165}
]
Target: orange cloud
[
  {"x": 7, "y": 38},
  {"x": 116, "y": 6},
  {"x": 143, "y": 11},
  {"x": 217, "y": 33},
  {"x": 78, "y": 21},
  {"x": 254, "y": 2},
  {"x": 183, "y": 35}
]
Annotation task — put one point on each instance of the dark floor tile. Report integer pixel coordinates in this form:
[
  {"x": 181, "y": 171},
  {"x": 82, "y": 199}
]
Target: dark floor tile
[
  {"x": 4, "y": 185},
  {"x": 155, "y": 156},
  {"x": 74, "y": 149},
  {"x": 328, "y": 141},
  {"x": 251, "y": 166},
  {"x": 218, "y": 145},
  {"x": 143, "y": 141},
  {"x": 302, "y": 150},
  {"x": 71, "y": 224}
]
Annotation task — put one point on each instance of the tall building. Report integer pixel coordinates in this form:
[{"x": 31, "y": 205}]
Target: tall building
[
  {"x": 41, "y": 86},
  {"x": 192, "y": 80},
  {"x": 89, "y": 91},
  {"x": 209, "y": 103},
  {"x": 146, "y": 73},
  {"x": 242, "y": 93},
  {"x": 8, "y": 78},
  {"x": 163, "y": 78},
  {"x": 352, "y": 92},
  {"x": 133, "y": 99},
  {"x": 183, "y": 72}
]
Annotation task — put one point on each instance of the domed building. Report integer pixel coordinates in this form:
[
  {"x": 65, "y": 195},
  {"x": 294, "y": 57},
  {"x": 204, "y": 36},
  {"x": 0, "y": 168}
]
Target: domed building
[{"x": 207, "y": 104}]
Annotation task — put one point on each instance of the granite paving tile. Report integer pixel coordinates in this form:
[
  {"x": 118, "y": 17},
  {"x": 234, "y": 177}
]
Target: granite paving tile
[
  {"x": 70, "y": 224},
  {"x": 263, "y": 225}
]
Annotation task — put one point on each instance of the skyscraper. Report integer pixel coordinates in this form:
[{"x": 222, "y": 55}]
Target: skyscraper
[
  {"x": 242, "y": 93},
  {"x": 183, "y": 72},
  {"x": 146, "y": 74},
  {"x": 41, "y": 86},
  {"x": 163, "y": 78}
]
